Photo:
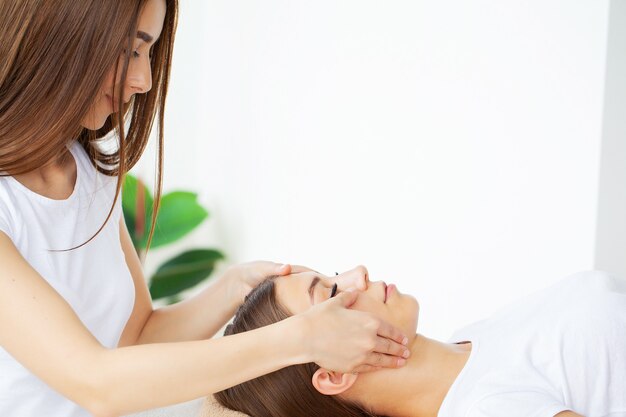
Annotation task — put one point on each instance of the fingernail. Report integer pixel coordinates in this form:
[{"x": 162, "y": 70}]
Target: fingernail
[
  {"x": 401, "y": 362},
  {"x": 406, "y": 353},
  {"x": 405, "y": 341}
]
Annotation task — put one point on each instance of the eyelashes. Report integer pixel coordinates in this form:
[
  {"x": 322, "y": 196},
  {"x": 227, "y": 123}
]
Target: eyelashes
[
  {"x": 136, "y": 54},
  {"x": 333, "y": 291}
]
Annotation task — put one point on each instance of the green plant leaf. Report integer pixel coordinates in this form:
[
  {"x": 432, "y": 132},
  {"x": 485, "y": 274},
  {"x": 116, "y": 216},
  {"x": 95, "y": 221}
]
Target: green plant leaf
[
  {"x": 183, "y": 272},
  {"x": 129, "y": 208},
  {"x": 178, "y": 215},
  {"x": 173, "y": 299}
]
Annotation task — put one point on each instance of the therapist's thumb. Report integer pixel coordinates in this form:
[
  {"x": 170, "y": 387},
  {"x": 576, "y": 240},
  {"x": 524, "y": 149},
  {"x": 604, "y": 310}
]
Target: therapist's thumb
[
  {"x": 347, "y": 297},
  {"x": 284, "y": 269}
]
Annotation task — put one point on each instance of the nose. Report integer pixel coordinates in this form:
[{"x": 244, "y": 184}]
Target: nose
[
  {"x": 139, "y": 78},
  {"x": 357, "y": 278}
]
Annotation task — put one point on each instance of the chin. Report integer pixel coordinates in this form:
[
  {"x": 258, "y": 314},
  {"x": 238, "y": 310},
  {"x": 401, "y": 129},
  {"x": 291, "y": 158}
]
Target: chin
[
  {"x": 408, "y": 315},
  {"x": 93, "y": 125},
  {"x": 415, "y": 313}
]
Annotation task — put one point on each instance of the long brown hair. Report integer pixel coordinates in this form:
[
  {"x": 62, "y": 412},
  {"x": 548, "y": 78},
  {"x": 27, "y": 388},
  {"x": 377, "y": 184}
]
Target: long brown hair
[
  {"x": 287, "y": 392},
  {"x": 54, "y": 57}
]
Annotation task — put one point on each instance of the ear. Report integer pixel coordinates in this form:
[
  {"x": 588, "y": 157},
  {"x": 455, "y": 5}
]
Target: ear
[{"x": 332, "y": 383}]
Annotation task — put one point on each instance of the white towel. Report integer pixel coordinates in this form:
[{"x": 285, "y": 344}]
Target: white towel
[
  {"x": 211, "y": 408},
  {"x": 186, "y": 409}
]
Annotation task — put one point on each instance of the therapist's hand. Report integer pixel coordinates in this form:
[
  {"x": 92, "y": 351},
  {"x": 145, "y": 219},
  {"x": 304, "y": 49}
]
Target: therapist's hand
[
  {"x": 244, "y": 277},
  {"x": 343, "y": 340}
]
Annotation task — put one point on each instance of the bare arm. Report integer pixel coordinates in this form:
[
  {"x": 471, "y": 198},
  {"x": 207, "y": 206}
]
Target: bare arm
[
  {"x": 568, "y": 414},
  {"x": 197, "y": 318},
  {"x": 141, "y": 377},
  {"x": 42, "y": 332}
]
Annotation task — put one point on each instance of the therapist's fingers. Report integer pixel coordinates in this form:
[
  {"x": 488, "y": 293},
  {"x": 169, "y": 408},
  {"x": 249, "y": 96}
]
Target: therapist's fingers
[
  {"x": 366, "y": 368},
  {"x": 297, "y": 269},
  {"x": 390, "y": 350},
  {"x": 346, "y": 298},
  {"x": 379, "y": 360},
  {"x": 389, "y": 347},
  {"x": 343, "y": 340},
  {"x": 386, "y": 330},
  {"x": 282, "y": 270}
]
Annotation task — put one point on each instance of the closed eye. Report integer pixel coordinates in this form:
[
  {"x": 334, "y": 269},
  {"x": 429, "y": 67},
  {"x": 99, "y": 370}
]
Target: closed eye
[
  {"x": 333, "y": 291},
  {"x": 314, "y": 282}
]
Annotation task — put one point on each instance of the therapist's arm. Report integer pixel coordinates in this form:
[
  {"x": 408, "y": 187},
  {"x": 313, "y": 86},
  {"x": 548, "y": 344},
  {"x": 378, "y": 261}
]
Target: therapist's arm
[
  {"x": 568, "y": 414},
  {"x": 196, "y": 318},
  {"x": 41, "y": 331},
  {"x": 137, "y": 378}
]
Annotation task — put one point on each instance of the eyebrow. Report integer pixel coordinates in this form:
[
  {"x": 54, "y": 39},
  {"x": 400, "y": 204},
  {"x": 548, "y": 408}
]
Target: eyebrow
[
  {"x": 144, "y": 36},
  {"x": 312, "y": 287}
]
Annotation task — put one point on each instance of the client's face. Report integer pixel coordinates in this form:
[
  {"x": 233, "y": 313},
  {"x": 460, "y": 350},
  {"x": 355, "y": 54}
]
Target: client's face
[
  {"x": 286, "y": 391},
  {"x": 299, "y": 292}
]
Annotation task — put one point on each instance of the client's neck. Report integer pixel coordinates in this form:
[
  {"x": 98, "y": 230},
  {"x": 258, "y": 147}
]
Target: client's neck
[{"x": 417, "y": 389}]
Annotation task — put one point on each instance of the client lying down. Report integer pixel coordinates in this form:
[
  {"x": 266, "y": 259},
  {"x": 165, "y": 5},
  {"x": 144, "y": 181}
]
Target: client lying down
[{"x": 562, "y": 348}]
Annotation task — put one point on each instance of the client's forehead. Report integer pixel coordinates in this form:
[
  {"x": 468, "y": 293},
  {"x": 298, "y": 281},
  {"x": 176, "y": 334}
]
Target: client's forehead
[{"x": 292, "y": 291}]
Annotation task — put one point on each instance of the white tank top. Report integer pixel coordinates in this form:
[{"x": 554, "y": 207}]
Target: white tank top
[{"x": 93, "y": 279}]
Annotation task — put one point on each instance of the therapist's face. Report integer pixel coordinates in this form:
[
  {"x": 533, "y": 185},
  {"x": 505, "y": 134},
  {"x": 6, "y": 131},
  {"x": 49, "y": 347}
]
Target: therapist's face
[
  {"x": 139, "y": 75},
  {"x": 299, "y": 292}
]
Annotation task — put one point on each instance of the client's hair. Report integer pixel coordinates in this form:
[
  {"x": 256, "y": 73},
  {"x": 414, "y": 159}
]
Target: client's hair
[{"x": 287, "y": 392}]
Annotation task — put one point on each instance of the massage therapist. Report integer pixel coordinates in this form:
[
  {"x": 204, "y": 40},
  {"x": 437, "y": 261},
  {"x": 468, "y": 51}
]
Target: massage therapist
[{"x": 78, "y": 333}]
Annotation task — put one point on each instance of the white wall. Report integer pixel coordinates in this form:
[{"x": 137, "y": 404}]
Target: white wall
[
  {"x": 452, "y": 147},
  {"x": 611, "y": 230}
]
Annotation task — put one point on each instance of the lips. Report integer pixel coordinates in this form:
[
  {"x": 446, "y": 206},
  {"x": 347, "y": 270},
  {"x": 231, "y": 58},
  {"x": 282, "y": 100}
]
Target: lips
[{"x": 388, "y": 290}]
